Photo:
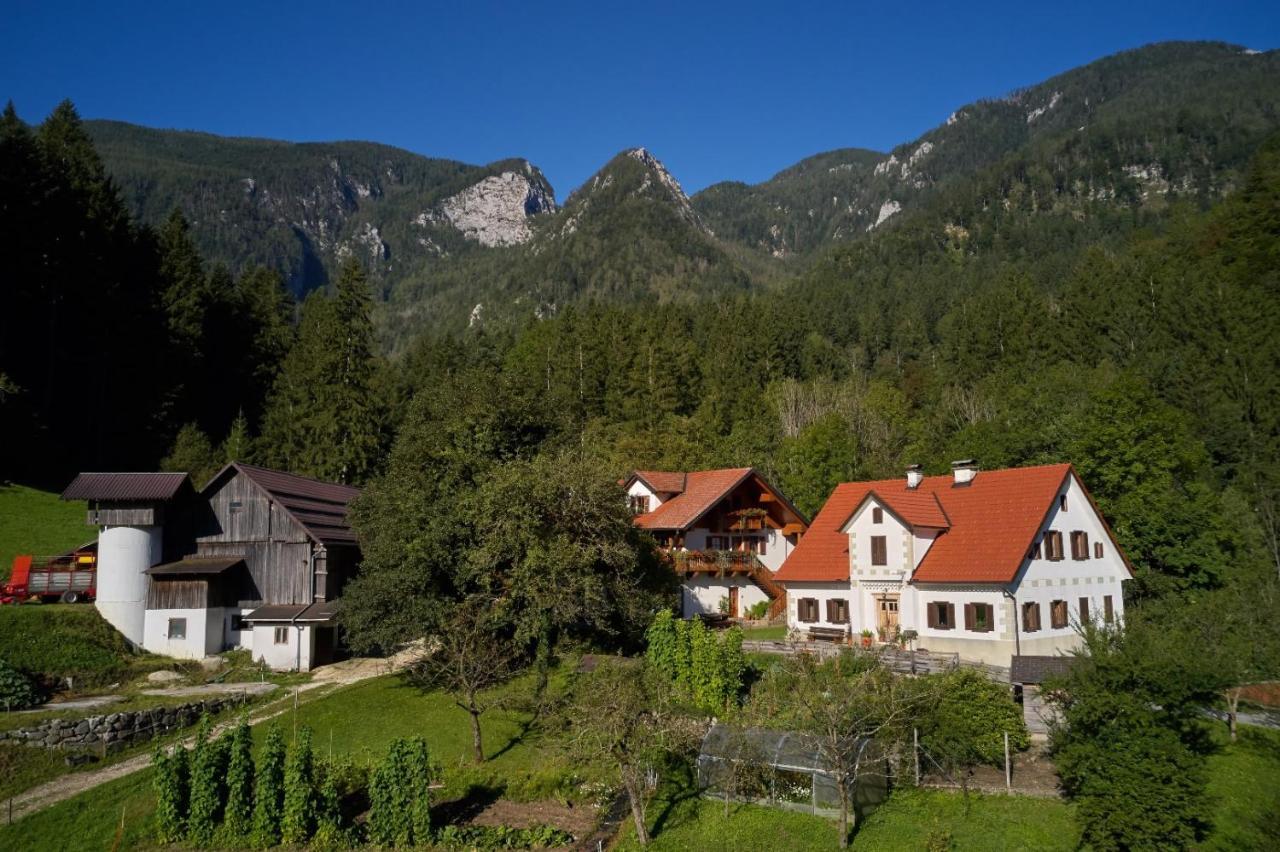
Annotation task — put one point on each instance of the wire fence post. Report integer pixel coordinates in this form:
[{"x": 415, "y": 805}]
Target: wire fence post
[
  {"x": 915, "y": 752},
  {"x": 1008, "y": 772}
]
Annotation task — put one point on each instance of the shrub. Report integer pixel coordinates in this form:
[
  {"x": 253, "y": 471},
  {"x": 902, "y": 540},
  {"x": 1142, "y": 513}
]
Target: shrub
[
  {"x": 17, "y": 692},
  {"x": 208, "y": 775},
  {"x": 299, "y": 819},
  {"x": 237, "y": 819},
  {"x": 758, "y": 610},
  {"x": 170, "y": 785},
  {"x": 399, "y": 795},
  {"x": 967, "y": 722},
  {"x": 268, "y": 797},
  {"x": 706, "y": 667}
]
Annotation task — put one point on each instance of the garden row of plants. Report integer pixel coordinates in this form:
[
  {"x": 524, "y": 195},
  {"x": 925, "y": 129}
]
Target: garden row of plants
[{"x": 217, "y": 794}]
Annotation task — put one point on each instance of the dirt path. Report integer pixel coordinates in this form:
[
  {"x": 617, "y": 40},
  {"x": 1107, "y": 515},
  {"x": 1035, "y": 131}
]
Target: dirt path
[{"x": 339, "y": 674}]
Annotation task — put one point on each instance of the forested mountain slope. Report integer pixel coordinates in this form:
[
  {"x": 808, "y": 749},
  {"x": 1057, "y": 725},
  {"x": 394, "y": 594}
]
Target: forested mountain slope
[
  {"x": 1171, "y": 120},
  {"x": 302, "y": 208}
]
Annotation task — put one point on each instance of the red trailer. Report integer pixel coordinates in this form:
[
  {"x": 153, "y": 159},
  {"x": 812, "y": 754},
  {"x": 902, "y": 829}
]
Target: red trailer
[{"x": 71, "y": 577}]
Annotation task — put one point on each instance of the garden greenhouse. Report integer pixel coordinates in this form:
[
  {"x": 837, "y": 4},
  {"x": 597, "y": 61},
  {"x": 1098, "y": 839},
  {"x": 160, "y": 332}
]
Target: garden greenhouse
[{"x": 785, "y": 769}]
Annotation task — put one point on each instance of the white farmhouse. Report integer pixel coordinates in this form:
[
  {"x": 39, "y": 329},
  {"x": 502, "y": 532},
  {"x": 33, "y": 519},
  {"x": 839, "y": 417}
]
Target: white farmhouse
[
  {"x": 725, "y": 532},
  {"x": 989, "y": 565}
]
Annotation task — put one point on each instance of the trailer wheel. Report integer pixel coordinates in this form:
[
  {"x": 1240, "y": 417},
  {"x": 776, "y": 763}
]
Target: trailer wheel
[{"x": 70, "y": 597}]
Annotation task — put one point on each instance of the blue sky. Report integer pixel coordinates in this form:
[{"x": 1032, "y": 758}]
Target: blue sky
[{"x": 718, "y": 91}]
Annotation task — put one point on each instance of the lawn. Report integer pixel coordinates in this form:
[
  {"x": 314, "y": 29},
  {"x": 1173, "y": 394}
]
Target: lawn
[
  {"x": 66, "y": 640},
  {"x": 1244, "y": 787},
  {"x": 39, "y": 523},
  {"x": 911, "y": 819},
  {"x": 771, "y": 633}
]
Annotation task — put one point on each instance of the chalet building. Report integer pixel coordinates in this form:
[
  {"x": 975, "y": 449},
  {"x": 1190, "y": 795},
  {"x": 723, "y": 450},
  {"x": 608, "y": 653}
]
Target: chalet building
[
  {"x": 986, "y": 564},
  {"x": 256, "y": 559},
  {"x": 725, "y": 532}
]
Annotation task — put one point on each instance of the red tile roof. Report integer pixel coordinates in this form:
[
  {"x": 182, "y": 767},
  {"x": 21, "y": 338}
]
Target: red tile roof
[
  {"x": 993, "y": 521},
  {"x": 662, "y": 481},
  {"x": 703, "y": 489},
  {"x": 917, "y": 508}
]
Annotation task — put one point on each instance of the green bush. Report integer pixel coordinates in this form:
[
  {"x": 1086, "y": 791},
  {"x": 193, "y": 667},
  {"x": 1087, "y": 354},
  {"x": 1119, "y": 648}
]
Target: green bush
[
  {"x": 268, "y": 795},
  {"x": 758, "y": 610},
  {"x": 170, "y": 785},
  {"x": 966, "y": 723},
  {"x": 237, "y": 821},
  {"x": 399, "y": 795},
  {"x": 17, "y": 692},
  {"x": 299, "y": 820},
  {"x": 706, "y": 666}
]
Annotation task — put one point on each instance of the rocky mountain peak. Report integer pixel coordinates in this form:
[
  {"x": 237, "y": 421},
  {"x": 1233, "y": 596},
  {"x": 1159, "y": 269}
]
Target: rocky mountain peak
[{"x": 495, "y": 211}]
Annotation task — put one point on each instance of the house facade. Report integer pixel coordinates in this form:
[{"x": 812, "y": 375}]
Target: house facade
[
  {"x": 725, "y": 532},
  {"x": 986, "y": 564},
  {"x": 257, "y": 559}
]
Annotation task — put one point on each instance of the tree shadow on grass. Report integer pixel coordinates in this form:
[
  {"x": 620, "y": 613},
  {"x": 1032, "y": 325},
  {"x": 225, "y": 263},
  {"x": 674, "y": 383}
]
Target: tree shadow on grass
[
  {"x": 526, "y": 728},
  {"x": 468, "y": 807},
  {"x": 680, "y": 786}
]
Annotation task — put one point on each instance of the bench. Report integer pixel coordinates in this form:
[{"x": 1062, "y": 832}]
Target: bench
[{"x": 831, "y": 634}]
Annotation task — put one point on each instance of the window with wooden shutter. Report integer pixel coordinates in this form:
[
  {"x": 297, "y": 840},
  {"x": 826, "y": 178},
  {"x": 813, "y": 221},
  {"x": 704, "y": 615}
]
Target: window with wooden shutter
[
  {"x": 879, "y": 552},
  {"x": 807, "y": 610},
  {"x": 1053, "y": 545},
  {"x": 1084, "y": 610},
  {"x": 983, "y": 618},
  {"x": 838, "y": 611},
  {"x": 1079, "y": 545},
  {"x": 1097, "y": 550},
  {"x": 942, "y": 615},
  {"x": 1106, "y": 608},
  {"x": 831, "y": 610},
  {"x": 1030, "y": 617},
  {"x": 877, "y": 515},
  {"x": 1058, "y": 614}
]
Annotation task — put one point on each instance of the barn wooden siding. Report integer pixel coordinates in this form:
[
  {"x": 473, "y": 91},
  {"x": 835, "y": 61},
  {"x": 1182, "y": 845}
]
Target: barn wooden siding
[
  {"x": 190, "y": 592},
  {"x": 276, "y": 549}
]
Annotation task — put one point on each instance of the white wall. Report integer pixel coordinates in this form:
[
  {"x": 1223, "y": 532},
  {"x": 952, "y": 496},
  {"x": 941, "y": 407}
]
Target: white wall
[
  {"x": 284, "y": 657},
  {"x": 204, "y": 633},
  {"x": 639, "y": 489},
  {"x": 124, "y": 553},
  {"x": 823, "y": 592},
  {"x": 701, "y": 594}
]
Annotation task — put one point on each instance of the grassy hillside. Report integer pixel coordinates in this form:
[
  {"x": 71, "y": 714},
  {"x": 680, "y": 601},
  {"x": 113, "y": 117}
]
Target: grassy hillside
[
  {"x": 37, "y": 522},
  {"x": 63, "y": 640}
]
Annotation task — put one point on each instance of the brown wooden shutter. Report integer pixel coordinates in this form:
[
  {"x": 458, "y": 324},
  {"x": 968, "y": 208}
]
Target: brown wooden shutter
[
  {"x": 932, "y": 615},
  {"x": 968, "y": 616},
  {"x": 1084, "y": 610},
  {"x": 877, "y": 515},
  {"x": 951, "y": 616},
  {"x": 879, "y": 552},
  {"x": 831, "y": 610},
  {"x": 1031, "y": 617},
  {"x": 1097, "y": 550},
  {"x": 1106, "y": 608}
]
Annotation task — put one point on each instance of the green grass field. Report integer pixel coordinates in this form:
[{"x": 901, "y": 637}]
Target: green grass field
[
  {"x": 65, "y": 640},
  {"x": 772, "y": 633},
  {"x": 39, "y": 523},
  {"x": 1244, "y": 786}
]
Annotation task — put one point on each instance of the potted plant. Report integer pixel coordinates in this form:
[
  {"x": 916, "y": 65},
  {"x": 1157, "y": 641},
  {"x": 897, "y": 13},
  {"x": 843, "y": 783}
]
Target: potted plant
[
  {"x": 906, "y": 637},
  {"x": 866, "y": 638}
]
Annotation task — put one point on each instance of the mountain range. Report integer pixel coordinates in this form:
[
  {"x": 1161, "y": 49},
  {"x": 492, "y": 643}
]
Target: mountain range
[{"x": 1095, "y": 151}]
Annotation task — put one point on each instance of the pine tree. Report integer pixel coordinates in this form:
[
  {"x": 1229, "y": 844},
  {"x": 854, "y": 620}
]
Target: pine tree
[
  {"x": 299, "y": 820},
  {"x": 192, "y": 453},
  {"x": 324, "y": 418},
  {"x": 238, "y": 445},
  {"x": 238, "y": 817},
  {"x": 268, "y": 796}
]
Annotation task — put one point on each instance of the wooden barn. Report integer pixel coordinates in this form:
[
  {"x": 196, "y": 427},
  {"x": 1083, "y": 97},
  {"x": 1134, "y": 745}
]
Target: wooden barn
[{"x": 257, "y": 559}]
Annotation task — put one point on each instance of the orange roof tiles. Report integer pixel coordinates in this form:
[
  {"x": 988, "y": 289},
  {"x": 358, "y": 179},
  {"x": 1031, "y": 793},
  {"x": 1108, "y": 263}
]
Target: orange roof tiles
[
  {"x": 662, "y": 481},
  {"x": 992, "y": 523},
  {"x": 703, "y": 489}
]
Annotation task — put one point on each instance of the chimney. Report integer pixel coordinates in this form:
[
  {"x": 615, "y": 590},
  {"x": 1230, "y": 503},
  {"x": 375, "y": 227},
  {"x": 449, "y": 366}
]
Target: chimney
[
  {"x": 914, "y": 476},
  {"x": 964, "y": 471}
]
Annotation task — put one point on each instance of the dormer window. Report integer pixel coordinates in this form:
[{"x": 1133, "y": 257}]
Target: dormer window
[
  {"x": 639, "y": 504},
  {"x": 877, "y": 515}
]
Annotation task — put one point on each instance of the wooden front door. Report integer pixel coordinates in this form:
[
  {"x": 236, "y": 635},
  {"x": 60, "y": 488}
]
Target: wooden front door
[
  {"x": 733, "y": 601},
  {"x": 888, "y": 616}
]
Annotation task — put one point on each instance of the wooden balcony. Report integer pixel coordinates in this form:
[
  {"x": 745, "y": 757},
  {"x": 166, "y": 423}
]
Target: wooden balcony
[{"x": 722, "y": 563}]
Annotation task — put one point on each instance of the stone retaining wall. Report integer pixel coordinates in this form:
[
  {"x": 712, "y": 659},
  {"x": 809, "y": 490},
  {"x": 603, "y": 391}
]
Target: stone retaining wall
[{"x": 116, "y": 730}]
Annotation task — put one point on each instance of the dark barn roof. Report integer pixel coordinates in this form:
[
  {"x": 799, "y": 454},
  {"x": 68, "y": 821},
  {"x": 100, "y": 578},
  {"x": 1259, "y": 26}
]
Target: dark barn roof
[
  {"x": 320, "y": 611},
  {"x": 319, "y": 507},
  {"x": 1038, "y": 669},
  {"x": 111, "y": 487},
  {"x": 195, "y": 565}
]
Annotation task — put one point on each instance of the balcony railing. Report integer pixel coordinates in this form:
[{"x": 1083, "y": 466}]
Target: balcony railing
[{"x": 719, "y": 562}]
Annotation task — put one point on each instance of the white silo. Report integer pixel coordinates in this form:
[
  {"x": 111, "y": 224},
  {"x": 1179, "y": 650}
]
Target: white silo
[{"x": 124, "y": 553}]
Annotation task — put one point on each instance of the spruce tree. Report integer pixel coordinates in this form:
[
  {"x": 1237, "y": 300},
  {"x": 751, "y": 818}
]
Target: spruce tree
[{"x": 268, "y": 796}]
